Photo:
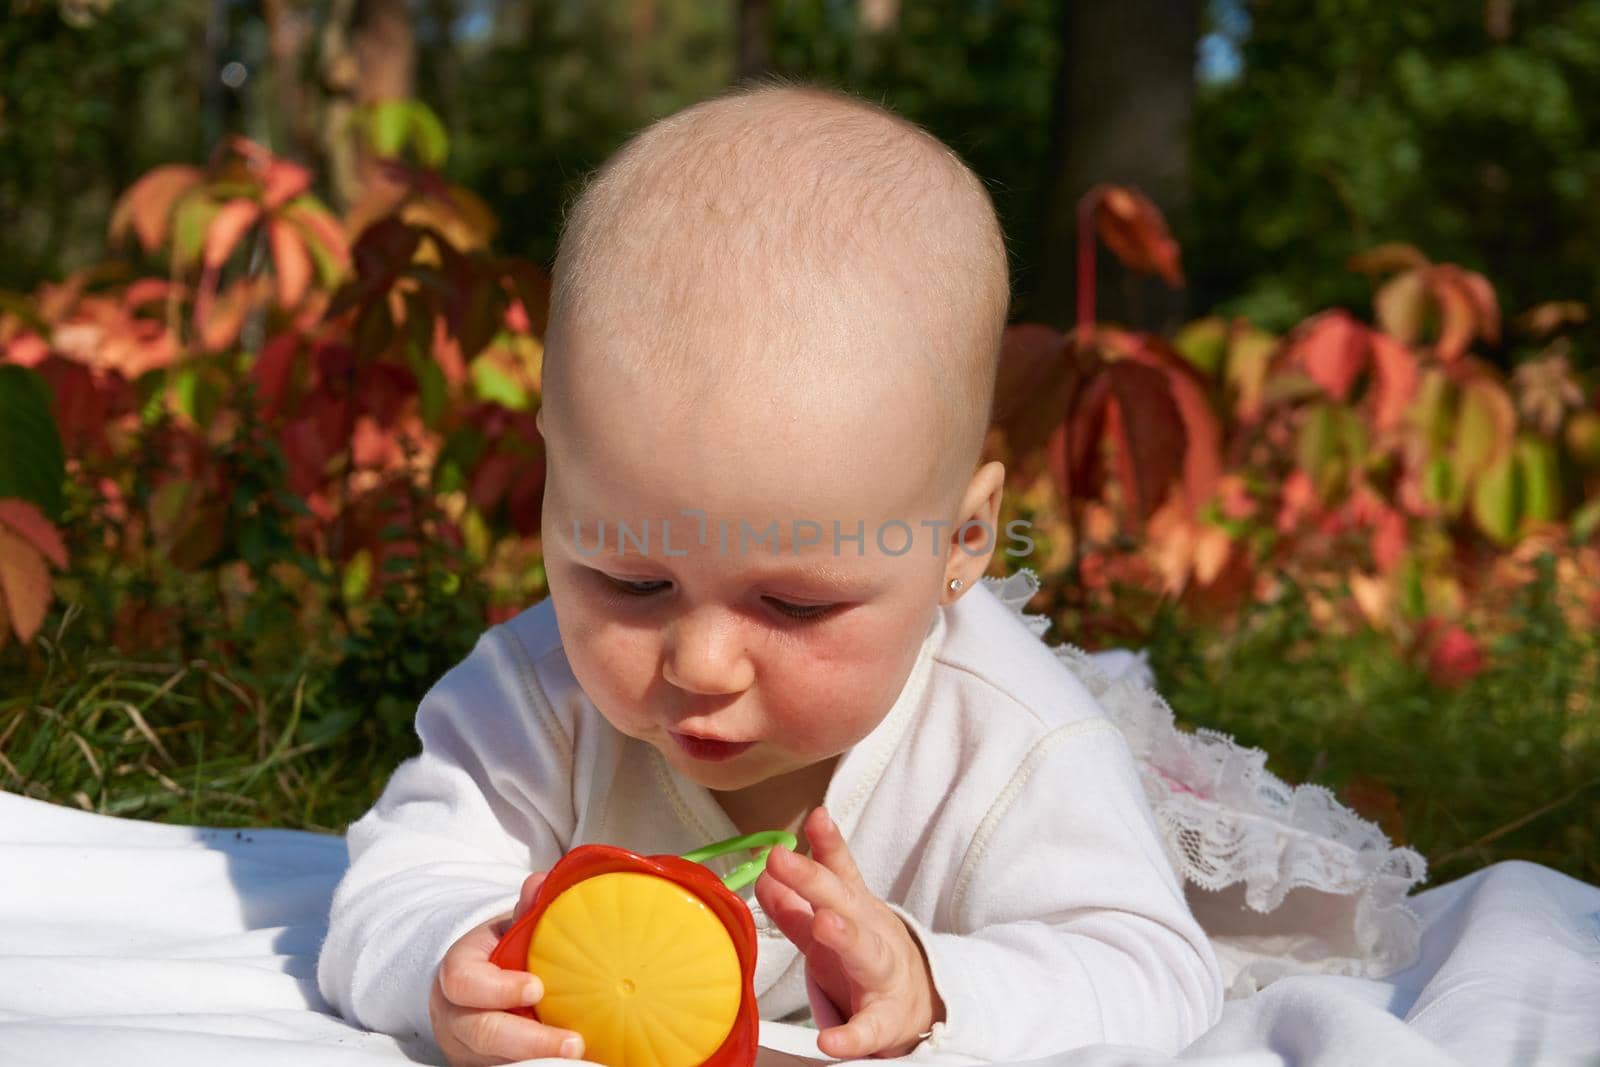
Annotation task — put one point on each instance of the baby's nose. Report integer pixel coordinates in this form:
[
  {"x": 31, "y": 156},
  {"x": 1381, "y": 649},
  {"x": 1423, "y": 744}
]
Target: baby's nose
[{"x": 706, "y": 655}]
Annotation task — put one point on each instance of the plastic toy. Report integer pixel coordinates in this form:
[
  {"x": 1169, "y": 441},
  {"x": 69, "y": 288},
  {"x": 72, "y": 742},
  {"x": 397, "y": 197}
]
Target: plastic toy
[{"x": 650, "y": 958}]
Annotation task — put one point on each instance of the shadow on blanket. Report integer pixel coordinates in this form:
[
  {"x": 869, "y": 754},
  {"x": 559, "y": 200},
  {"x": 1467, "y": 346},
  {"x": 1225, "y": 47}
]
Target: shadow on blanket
[{"x": 130, "y": 943}]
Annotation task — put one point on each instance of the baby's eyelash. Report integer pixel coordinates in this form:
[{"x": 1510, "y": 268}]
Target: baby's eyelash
[
  {"x": 798, "y": 612},
  {"x": 632, "y": 588}
]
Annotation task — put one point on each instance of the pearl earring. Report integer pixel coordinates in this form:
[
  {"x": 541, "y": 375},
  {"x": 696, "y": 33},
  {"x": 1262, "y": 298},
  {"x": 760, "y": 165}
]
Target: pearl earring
[{"x": 955, "y": 585}]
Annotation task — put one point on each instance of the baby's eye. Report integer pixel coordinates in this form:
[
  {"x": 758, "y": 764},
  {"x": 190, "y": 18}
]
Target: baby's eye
[
  {"x": 638, "y": 588},
  {"x": 800, "y": 611}
]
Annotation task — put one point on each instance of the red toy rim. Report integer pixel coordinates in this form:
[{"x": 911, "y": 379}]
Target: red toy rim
[{"x": 738, "y": 1049}]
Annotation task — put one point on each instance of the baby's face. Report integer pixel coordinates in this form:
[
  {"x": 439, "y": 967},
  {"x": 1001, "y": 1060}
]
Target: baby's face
[{"x": 737, "y": 650}]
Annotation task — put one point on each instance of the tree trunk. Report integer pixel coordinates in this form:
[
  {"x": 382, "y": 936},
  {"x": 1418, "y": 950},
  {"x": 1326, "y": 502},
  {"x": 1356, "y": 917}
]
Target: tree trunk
[
  {"x": 385, "y": 50},
  {"x": 877, "y": 16},
  {"x": 642, "y": 27},
  {"x": 755, "y": 50},
  {"x": 368, "y": 55},
  {"x": 1123, "y": 100},
  {"x": 288, "y": 32}
]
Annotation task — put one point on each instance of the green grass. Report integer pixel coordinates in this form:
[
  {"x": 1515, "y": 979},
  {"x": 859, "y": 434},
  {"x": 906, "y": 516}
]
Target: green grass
[
  {"x": 1505, "y": 767},
  {"x": 187, "y": 742}
]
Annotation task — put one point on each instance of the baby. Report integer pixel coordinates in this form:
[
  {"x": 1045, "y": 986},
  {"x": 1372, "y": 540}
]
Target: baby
[{"x": 769, "y": 369}]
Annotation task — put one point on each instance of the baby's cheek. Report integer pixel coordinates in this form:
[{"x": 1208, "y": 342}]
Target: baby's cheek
[
  {"x": 618, "y": 661},
  {"x": 832, "y": 702}
]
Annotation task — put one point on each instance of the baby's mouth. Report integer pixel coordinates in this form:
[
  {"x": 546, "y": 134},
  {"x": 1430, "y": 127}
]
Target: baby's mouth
[{"x": 709, "y": 749}]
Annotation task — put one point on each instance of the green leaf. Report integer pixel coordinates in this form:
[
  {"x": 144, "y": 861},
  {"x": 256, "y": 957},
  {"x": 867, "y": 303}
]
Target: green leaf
[
  {"x": 1541, "y": 478},
  {"x": 189, "y": 225},
  {"x": 1413, "y": 593},
  {"x": 1440, "y": 485},
  {"x": 1203, "y": 343},
  {"x": 491, "y": 382},
  {"x": 357, "y": 577},
  {"x": 387, "y": 125},
  {"x": 1496, "y": 500},
  {"x": 1585, "y": 521},
  {"x": 1483, "y": 427},
  {"x": 1322, "y": 448},
  {"x": 428, "y": 136},
  {"x": 33, "y": 465}
]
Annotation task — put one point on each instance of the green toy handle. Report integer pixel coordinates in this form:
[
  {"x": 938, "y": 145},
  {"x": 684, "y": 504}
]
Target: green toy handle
[{"x": 750, "y": 870}]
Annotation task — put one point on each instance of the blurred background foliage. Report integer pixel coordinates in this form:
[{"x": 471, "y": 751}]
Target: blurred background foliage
[{"x": 1278, "y": 136}]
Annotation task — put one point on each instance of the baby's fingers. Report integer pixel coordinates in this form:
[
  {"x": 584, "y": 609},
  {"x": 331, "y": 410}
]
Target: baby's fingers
[
  {"x": 470, "y": 981},
  {"x": 871, "y": 1031},
  {"x": 530, "y": 887},
  {"x": 501, "y": 1035},
  {"x": 863, "y": 952},
  {"x": 787, "y": 909}
]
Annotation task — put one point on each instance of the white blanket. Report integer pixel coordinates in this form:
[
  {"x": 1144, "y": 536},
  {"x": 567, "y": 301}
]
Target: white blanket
[{"x": 129, "y": 943}]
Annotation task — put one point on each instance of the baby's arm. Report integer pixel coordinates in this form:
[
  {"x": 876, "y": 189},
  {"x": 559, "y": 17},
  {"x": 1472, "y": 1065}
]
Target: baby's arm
[
  {"x": 450, "y": 841},
  {"x": 1071, "y": 926}
]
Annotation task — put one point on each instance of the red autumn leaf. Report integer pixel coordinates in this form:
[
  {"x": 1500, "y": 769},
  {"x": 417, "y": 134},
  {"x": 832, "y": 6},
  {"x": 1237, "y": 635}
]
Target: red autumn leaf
[
  {"x": 258, "y": 156},
  {"x": 27, "y": 521},
  {"x": 272, "y": 368},
  {"x": 1467, "y": 309},
  {"x": 148, "y": 291},
  {"x": 1456, "y": 657},
  {"x": 531, "y": 287},
  {"x": 147, "y": 204},
  {"x": 495, "y": 614},
  {"x": 1395, "y": 379},
  {"x": 83, "y": 404},
  {"x": 1148, "y": 431},
  {"x": 1300, "y": 502},
  {"x": 373, "y": 447},
  {"x": 25, "y": 350},
  {"x": 1389, "y": 540},
  {"x": 1542, "y": 320},
  {"x": 1332, "y": 348},
  {"x": 27, "y": 541},
  {"x": 290, "y": 262},
  {"x": 1387, "y": 259},
  {"x": 321, "y": 227},
  {"x": 515, "y": 319},
  {"x": 222, "y": 236},
  {"x": 1072, "y": 452},
  {"x": 1135, "y": 231},
  {"x": 1202, "y": 450},
  {"x": 307, "y": 455},
  {"x": 1031, "y": 385},
  {"x": 491, "y": 480},
  {"x": 1485, "y": 305},
  {"x": 447, "y": 353},
  {"x": 219, "y": 321},
  {"x": 282, "y": 182},
  {"x": 383, "y": 389}
]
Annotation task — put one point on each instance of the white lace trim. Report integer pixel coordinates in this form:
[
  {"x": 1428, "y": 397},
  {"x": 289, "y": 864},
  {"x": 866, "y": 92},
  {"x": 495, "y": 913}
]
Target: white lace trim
[{"x": 1227, "y": 820}]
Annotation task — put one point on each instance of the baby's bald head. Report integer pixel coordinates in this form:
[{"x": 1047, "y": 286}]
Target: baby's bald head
[{"x": 785, "y": 242}]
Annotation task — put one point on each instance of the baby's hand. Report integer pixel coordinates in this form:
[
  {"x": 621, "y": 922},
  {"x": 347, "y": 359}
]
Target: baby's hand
[
  {"x": 857, "y": 951},
  {"x": 472, "y": 997}
]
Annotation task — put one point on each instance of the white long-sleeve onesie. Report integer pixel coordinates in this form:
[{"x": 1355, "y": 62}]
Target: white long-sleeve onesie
[{"x": 995, "y": 808}]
